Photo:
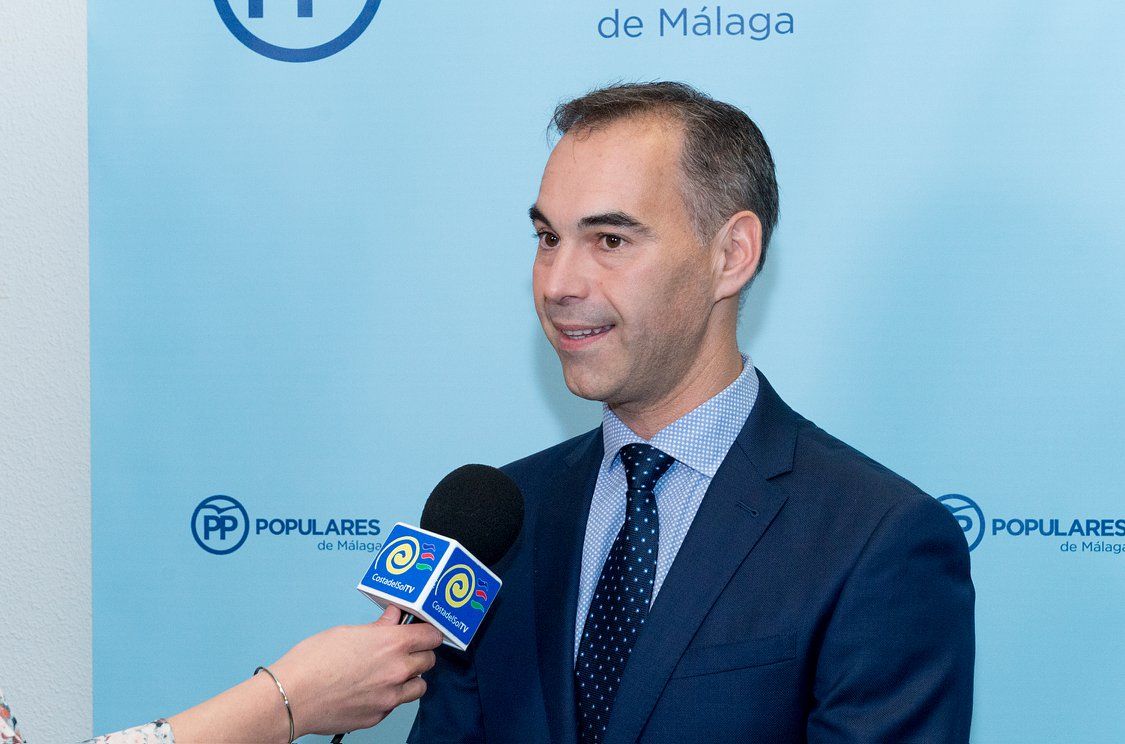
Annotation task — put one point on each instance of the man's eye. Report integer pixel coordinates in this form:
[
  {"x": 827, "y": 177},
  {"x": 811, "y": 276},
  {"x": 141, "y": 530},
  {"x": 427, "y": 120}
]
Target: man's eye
[
  {"x": 613, "y": 242},
  {"x": 547, "y": 239}
]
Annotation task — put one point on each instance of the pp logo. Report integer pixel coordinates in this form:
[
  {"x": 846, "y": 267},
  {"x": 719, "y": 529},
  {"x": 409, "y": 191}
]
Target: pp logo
[
  {"x": 967, "y": 514},
  {"x": 297, "y": 30},
  {"x": 220, "y": 525}
]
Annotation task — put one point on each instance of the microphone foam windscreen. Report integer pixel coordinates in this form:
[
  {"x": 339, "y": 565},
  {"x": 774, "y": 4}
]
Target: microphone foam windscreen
[{"x": 480, "y": 507}]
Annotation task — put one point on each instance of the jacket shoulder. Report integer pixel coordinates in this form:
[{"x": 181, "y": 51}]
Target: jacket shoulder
[
  {"x": 818, "y": 448},
  {"x": 850, "y": 482},
  {"x": 548, "y": 462}
]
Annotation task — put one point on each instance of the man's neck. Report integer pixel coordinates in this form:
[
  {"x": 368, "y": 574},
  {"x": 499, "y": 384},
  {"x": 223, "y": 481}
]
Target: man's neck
[{"x": 703, "y": 381}]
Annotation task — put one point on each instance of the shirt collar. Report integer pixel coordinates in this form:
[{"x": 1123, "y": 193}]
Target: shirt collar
[{"x": 700, "y": 438}]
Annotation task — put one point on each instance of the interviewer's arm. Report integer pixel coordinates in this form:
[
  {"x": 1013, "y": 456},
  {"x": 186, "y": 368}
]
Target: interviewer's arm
[
  {"x": 339, "y": 680},
  {"x": 897, "y": 659}
]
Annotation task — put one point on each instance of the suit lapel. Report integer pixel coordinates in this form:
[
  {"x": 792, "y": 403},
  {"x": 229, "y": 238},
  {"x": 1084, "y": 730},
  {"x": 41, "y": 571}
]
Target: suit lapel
[
  {"x": 739, "y": 505},
  {"x": 559, "y": 535}
]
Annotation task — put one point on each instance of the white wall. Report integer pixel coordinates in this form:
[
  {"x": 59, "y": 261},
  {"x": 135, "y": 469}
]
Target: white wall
[{"x": 45, "y": 612}]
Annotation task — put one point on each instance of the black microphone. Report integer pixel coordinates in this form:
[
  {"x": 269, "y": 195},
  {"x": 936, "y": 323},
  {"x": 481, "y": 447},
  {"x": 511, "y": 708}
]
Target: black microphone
[{"x": 480, "y": 507}]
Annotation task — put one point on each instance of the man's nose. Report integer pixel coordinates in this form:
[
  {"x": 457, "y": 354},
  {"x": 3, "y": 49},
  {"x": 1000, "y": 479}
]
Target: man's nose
[{"x": 565, "y": 277}]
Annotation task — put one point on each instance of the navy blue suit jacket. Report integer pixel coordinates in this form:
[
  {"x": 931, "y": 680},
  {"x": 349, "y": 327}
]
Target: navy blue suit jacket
[{"x": 816, "y": 597}]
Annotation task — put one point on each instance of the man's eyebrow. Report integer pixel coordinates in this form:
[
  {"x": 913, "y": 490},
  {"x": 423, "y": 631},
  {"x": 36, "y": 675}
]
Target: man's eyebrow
[
  {"x": 537, "y": 216},
  {"x": 614, "y": 219},
  {"x": 607, "y": 219}
]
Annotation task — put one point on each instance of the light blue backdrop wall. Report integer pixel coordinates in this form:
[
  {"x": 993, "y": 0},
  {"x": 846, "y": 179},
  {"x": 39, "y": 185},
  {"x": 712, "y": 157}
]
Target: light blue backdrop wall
[{"x": 311, "y": 292}]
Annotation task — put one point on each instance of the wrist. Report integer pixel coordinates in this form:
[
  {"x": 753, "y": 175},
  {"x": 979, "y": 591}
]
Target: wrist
[
  {"x": 272, "y": 686},
  {"x": 294, "y": 682}
]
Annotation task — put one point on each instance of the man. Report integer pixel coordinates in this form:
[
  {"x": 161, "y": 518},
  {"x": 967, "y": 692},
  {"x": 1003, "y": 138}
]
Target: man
[{"x": 707, "y": 565}]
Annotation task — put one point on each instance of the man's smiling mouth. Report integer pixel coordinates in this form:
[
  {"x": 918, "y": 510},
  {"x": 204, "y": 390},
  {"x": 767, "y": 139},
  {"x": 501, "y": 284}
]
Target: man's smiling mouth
[
  {"x": 579, "y": 333},
  {"x": 573, "y": 337}
]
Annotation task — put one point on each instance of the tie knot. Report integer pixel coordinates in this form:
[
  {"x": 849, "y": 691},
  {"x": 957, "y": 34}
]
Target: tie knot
[{"x": 644, "y": 464}]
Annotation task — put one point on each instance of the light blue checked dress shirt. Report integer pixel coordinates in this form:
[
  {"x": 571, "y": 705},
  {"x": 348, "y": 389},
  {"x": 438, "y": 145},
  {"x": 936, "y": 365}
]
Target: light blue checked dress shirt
[{"x": 699, "y": 441}]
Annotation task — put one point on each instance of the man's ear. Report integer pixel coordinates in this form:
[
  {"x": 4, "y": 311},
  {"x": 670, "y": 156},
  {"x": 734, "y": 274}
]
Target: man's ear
[{"x": 740, "y": 251}]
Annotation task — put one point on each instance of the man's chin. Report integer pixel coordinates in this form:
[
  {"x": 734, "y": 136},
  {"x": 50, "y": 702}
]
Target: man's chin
[{"x": 586, "y": 388}]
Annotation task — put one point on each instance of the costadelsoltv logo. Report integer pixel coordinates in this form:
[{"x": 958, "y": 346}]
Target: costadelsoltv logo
[
  {"x": 221, "y": 525},
  {"x": 297, "y": 30},
  {"x": 1078, "y": 534}
]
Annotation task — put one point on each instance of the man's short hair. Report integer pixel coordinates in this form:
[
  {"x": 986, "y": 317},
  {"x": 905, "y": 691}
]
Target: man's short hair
[{"x": 726, "y": 164}]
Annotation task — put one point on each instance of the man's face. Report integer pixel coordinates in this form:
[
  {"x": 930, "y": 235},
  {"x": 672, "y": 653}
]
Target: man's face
[{"x": 623, "y": 288}]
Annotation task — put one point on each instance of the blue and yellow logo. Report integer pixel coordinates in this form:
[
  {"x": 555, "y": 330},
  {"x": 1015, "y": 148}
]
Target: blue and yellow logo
[
  {"x": 457, "y": 584},
  {"x": 405, "y": 553},
  {"x": 461, "y": 596},
  {"x": 406, "y": 566}
]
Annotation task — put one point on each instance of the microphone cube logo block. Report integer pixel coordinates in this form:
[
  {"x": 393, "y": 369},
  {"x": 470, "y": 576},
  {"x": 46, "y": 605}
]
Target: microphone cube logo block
[
  {"x": 432, "y": 578},
  {"x": 405, "y": 570},
  {"x": 462, "y": 595}
]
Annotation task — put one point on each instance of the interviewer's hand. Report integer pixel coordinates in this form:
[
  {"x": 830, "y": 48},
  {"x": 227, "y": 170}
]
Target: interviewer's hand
[
  {"x": 350, "y": 677},
  {"x": 339, "y": 680}
]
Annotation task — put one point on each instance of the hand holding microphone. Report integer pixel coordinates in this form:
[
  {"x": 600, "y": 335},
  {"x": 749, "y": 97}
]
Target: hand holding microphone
[
  {"x": 350, "y": 677},
  {"x": 341, "y": 679},
  {"x": 469, "y": 522}
]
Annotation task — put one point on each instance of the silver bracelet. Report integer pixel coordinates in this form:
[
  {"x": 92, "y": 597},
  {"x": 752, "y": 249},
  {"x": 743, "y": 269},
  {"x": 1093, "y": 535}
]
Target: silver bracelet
[{"x": 284, "y": 697}]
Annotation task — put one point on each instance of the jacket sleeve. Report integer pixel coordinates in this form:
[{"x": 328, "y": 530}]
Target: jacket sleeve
[
  {"x": 450, "y": 711},
  {"x": 896, "y": 663}
]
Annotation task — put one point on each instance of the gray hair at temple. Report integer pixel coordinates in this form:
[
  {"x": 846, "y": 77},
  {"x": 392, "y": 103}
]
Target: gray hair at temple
[{"x": 725, "y": 161}]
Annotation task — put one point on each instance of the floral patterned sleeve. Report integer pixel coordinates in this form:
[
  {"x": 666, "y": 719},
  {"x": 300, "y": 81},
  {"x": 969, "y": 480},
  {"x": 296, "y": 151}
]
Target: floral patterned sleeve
[
  {"x": 157, "y": 732},
  {"x": 9, "y": 728}
]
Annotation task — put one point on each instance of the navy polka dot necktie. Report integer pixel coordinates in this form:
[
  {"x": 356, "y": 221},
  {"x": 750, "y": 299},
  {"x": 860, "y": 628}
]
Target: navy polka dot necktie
[{"x": 621, "y": 599}]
